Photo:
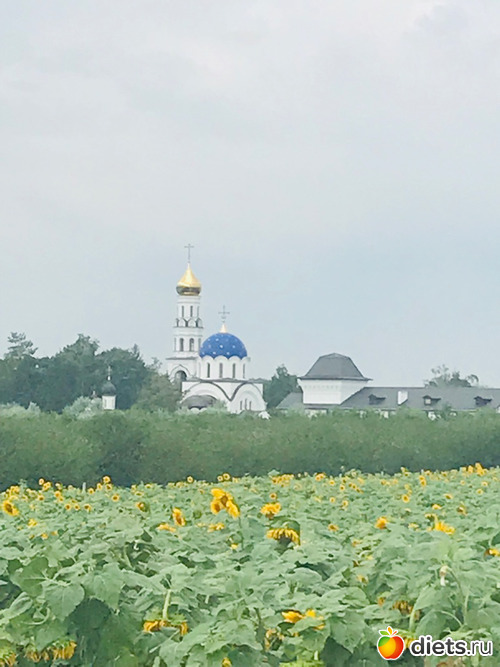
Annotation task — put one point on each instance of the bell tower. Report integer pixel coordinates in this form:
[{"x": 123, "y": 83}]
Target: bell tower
[{"x": 182, "y": 364}]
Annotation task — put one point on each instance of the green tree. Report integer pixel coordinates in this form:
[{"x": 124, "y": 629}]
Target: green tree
[
  {"x": 280, "y": 385},
  {"x": 159, "y": 393},
  {"x": 128, "y": 374},
  {"x": 19, "y": 347},
  {"x": 18, "y": 371},
  {"x": 66, "y": 376},
  {"x": 443, "y": 377}
]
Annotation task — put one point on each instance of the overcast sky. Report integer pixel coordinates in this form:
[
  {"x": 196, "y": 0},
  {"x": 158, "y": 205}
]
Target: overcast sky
[{"x": 335, "y": 164}]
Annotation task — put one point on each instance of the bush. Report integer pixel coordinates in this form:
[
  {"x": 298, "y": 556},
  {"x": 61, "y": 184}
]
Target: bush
[{"x": 136, "y": 445}]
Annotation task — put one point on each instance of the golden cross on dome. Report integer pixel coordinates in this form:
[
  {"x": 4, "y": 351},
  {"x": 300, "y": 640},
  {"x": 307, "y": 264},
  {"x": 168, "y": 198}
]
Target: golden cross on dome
[
  {"x": 109, "y": 372},
  {"x": 189, "y": 248}
]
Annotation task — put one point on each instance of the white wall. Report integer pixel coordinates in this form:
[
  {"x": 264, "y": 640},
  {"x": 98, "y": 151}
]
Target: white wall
[
  {"x": 249, "y": 397},
  {"x": 239, "y": 397},
  {"x": 185, "y": 359},
  {"x": 240, "y": 368},
  {"x": 108, "y": 402},
  {"x": 329, "y": 392}
]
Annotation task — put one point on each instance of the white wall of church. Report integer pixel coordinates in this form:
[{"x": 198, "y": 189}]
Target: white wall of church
[
  {"x": 249, "y": 397},
  {"x": 218, "y": 368},
  {"x": 329, "y": 392},
  {"x": 236, "y": 396}
]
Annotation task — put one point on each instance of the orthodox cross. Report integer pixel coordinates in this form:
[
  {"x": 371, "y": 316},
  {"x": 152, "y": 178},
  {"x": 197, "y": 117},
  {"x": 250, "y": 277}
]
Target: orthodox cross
[
  {"x": 109, "y": 372},
  {"x": 189, "y": 248},
  {"x": 224, "y": 313}
]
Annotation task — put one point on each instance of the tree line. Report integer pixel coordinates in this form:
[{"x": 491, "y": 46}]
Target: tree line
[{"x": 79, "y": 369}]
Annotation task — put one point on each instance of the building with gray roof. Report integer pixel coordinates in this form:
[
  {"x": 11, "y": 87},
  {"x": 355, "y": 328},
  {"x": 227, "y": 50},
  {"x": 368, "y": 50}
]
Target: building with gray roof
[{"x": 335, "y": 382}]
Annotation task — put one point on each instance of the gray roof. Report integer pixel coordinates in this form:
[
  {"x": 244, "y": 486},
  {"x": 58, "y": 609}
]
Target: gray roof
[
  {"x": 431, "y": 399},
  {"x": 291, "y": 401},
  {"x": 424, "y": 398},
  {"x": 199, "y": 401},
  {"x": 333, "y": 367}
]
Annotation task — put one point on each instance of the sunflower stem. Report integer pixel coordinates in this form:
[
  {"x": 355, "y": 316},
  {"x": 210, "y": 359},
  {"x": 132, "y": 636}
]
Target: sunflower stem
[{"x": 164, "y": 613}]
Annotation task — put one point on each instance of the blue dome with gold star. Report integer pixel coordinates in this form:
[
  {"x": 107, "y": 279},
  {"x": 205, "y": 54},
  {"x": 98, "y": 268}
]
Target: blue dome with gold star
[{"x": 223, "y": 344}]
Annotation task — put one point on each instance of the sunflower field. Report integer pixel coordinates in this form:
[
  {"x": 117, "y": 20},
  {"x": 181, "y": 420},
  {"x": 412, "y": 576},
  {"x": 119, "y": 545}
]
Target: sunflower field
[{"x": 297, "y": 570}]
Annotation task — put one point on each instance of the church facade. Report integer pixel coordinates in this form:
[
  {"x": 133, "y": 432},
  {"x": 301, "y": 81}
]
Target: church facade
[{"x": 210, "y": 370}]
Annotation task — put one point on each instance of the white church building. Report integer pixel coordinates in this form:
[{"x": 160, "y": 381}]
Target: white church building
[{"x": 212, "y": 369}]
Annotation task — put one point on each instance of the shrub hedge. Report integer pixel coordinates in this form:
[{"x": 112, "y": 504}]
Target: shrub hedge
[{"x": 134, "y": 446}]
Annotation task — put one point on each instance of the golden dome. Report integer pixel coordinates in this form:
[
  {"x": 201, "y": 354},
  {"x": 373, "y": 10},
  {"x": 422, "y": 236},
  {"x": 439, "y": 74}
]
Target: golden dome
[{"x": 189, "y": 285}]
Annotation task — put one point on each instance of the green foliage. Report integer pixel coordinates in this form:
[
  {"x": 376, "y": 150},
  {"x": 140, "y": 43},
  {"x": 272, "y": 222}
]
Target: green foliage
[
  {"x": 112, "y": 576},
  {"x": 78, "y": 370},
  {"x": 84, "y": 408},
  {"x": 280, "y": 385},
  {"x": 19, "y": 347},
  {"x": 158, "y": 393},
  {"x": 129, "y": 374},
  {"x": 161, "y": 447},
  {"x": 443, "y": 377},
  {"x": 15, "y": 410}
]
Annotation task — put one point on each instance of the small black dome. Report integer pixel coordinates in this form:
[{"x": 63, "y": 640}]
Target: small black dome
[{"x": 108, "y": 389}]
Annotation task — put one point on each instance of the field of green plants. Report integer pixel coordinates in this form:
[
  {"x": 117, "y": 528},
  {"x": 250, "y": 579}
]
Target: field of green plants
[{"x": 248, "y": 571}]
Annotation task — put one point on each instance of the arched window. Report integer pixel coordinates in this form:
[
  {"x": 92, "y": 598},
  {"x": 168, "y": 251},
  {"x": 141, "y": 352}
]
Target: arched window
[
  {"x": 249, "y": 405},
  {"x": 208, "y": 369},
  {"x": 191, "y": 311},
  {"x": 221, "y": 370},
  {"x": 181, "y": 344},
  {"x": 199, "y": 343},
  {"x": 180, "y": 376},
  {"x": 182, "y": 311},
  {"x": 191, "y": 344},
  {"x": 234, "y": 370},
  {"x": 243, "y": 370},
  {"x": 241, "y": 405}
]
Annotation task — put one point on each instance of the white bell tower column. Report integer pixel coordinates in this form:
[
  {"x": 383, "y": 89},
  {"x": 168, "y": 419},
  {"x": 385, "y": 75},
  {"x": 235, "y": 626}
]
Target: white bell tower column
[{"x": 182, "y": 364}]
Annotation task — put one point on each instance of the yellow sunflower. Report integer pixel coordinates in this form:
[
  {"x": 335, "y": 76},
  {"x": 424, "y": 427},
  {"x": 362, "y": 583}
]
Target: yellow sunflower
[{"x": 9, "y": 508}]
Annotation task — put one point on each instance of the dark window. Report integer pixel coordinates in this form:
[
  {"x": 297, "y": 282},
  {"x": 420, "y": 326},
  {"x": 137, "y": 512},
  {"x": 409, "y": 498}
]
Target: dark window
[
  {"x": 181, "y": 344},
  {"x": 221, "y": 370},
  {"x": 481, "y": 401},
  {"x": 191, "y": 344},
  {"x": 375, "y": 400},
  {"x": 208, "y": 370},
  {"x": 234, "y": 370},
  {"x": 431, "y": 400},
  {"x": 180, "y": 376}
]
